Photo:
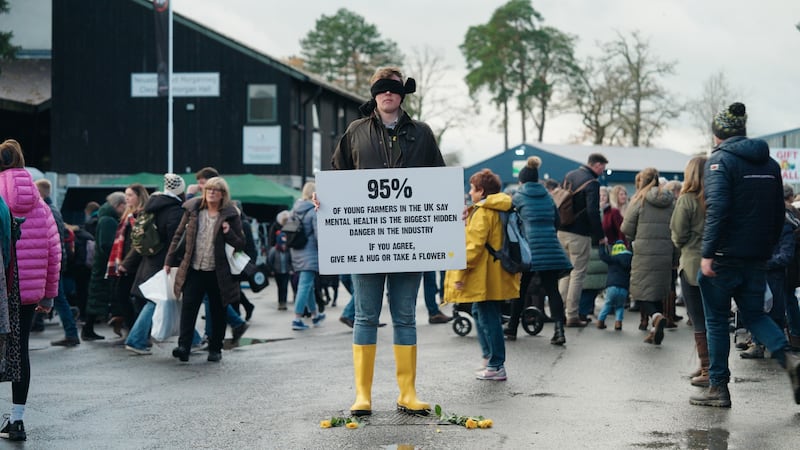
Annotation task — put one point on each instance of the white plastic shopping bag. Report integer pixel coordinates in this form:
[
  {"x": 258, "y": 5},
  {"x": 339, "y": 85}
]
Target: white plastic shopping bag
[
  {"x": 159, "y": 287},
  {"x": 236, "y": 259},
  {"x": 166, "y": 320}
]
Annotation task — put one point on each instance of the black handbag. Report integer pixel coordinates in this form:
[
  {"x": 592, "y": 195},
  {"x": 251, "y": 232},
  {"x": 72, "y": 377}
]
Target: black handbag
[{"x": 256, "y": 275}]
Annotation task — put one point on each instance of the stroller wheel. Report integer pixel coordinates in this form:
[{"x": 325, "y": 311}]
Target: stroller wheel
[
  {"x": 462, "y": 325},
  {"x": 532, "y": 320}
]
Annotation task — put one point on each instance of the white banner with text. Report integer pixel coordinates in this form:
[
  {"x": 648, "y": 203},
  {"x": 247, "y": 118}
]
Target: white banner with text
[{"x": 391, "y": 220}]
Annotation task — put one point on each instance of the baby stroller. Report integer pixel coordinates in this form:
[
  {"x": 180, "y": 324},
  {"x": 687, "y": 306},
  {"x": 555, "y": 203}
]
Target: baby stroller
[{"x": 532, "y": 318}]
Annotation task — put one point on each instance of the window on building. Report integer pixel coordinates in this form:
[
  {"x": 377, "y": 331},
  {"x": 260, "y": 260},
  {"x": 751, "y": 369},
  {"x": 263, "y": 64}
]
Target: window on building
[{"x": 262, "y": 103}]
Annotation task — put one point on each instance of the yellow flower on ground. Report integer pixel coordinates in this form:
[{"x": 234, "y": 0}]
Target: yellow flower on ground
[
  {"x": 471, "y": 424},
  {"x": 352, "y": 425},
  {"x": 325, "y": 424},
  {"x": 486, "y": 423}
]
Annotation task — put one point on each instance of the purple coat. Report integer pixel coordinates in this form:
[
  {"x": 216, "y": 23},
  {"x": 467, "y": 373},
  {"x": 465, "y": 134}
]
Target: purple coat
[{"x": 39, "y": 248}]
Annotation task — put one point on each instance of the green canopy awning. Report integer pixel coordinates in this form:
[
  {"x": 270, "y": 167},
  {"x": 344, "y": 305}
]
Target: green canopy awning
[{"x": 246, "y": 188}]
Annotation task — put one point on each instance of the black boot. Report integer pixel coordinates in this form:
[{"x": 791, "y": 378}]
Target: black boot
[
  {"x": 715, "y": 395},
  {"x": 87, "y": 332},
  {"x": 558, "y": 335}
]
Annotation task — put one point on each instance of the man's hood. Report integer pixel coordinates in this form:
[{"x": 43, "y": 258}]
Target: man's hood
[{"x": 753, "y": 150}]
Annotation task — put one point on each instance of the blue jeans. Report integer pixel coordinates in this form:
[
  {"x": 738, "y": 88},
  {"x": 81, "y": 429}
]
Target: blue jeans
[
  {"x": 139, "y": 336},
  {"x": 489, "y": 324},
  {"x": 615, "y": 302},
  {"x": 429, "y": 289},
  {"x": 231, "y": 316},
  {"x": 402, "y": 291},
  {"x": 61, "y": 305},
  {"x": 306, "y": 298},
  {"x": 745, "y": 282},
  {"x": 349, "y": 311}
]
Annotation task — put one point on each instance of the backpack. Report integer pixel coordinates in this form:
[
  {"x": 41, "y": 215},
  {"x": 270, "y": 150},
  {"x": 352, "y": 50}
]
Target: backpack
[
  {"x": 514, "y": 254},
  {"x": 563, "y": 198},
  {"x": 296, "y": 236},
  {"x": 145, "y": 239},
  {"x": 83, "y": 250}
]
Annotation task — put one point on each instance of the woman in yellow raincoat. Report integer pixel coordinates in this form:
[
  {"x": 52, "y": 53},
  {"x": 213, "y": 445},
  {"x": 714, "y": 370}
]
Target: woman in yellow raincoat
[{"x": 484, "y": 282}]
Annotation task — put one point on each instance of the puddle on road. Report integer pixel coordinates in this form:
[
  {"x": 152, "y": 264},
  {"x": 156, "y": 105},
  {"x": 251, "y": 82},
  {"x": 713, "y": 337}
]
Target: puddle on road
[
  {"x": 227, "y": 344},
  {"x": 711, "y": 439}
]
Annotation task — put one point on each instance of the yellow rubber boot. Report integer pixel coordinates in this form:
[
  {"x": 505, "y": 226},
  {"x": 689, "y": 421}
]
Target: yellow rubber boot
[
  {"x": 405, "y": 357},
  {"x": 363, "y": 368}
]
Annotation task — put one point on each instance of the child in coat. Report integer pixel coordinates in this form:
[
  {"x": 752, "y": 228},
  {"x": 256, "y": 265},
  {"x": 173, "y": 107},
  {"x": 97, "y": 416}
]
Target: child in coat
[
  {"x": 279, "y": 260},
  {"x": 617, "y": 282}
]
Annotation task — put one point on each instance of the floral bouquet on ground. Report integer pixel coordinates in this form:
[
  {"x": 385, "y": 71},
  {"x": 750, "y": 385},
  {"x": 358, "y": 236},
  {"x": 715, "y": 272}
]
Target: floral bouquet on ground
[
  {"x": 468, "y": 422},
  {"x": 347, "y": 422}
]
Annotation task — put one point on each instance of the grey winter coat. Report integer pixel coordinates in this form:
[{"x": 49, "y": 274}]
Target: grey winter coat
[
  {"x": 646, "y": 224},
  {"x": 306, "y": 258}
]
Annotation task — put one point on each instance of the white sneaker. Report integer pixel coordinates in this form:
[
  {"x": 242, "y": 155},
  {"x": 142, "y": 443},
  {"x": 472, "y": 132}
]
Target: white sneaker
[
  {"x": 139, "y": 351},
  {"x": 493, "y": 374}
]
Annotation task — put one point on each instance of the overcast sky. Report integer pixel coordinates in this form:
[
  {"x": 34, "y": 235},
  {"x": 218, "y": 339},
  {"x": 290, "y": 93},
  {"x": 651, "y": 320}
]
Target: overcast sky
[{"x": 754, "y": 43}]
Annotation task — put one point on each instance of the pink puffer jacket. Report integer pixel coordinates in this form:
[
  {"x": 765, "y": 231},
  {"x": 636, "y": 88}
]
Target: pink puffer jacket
[{"x": 39, "y": 248}]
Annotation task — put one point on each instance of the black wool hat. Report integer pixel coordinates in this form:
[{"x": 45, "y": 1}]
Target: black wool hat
[{"x": 530, "y": 173}]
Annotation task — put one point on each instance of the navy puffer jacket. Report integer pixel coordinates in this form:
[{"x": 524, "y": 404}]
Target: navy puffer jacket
[
  {"x": 744, "y": 201},
  {"x": 538, "y": 213}
]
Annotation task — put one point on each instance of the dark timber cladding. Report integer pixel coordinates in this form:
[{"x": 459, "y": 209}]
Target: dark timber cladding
[{"x": 98, "y": 127}]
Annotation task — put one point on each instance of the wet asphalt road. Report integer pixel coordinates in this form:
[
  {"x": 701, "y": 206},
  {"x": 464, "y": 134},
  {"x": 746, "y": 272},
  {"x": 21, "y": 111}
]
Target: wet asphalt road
[{"x": 603, "y": 389}]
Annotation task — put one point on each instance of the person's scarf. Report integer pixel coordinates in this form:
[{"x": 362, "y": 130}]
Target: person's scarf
[{"x": 118, "y": 248}]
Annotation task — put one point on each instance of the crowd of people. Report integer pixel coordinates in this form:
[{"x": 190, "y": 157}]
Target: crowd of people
[{"x": 728, "y": 231}]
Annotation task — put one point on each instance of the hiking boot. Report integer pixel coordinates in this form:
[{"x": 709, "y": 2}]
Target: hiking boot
[
  {"x": 575, "y": 323},
  {"x": 181, "y": 353},
  {"x": 617, "y": 325},
  {"x": 701, "y": 380},
  {"x": 601, "y": 324},
  {"x": 13, "y": 431},
  {"x": 793, "y": 368},
  {"x": 717, "y": 396},
  {"x": 492, "y": 374},
  {"x": 439, "y": 318},
  {"x": 69, "y": 341},
  {"x": 755, "y": 351},
  {"x": 558, "y": 334}
]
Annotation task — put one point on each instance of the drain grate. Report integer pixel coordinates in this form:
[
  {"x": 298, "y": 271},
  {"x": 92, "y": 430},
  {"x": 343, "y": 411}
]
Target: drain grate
[{"x": 394, "y": 418}]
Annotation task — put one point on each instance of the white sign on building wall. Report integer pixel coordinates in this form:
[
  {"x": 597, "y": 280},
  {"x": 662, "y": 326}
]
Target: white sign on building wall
[
  {"x": 194, "y": 84},
  {"x": 261, "y": 145}
]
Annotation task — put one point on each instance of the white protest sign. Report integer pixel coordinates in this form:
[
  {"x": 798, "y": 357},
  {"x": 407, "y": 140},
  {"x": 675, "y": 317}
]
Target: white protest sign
[{"x": 391, "y": 220}]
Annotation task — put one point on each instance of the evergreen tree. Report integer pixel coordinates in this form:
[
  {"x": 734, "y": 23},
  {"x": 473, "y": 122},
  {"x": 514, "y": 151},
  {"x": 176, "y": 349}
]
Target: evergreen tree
[
  {"x": 346, "y": 50},
  {"x": 7, "y": 50}
]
